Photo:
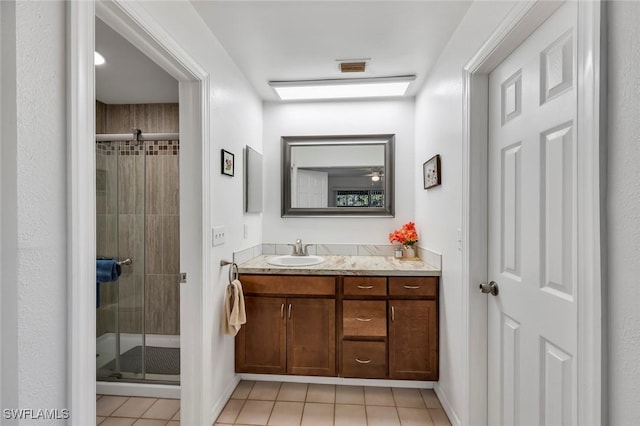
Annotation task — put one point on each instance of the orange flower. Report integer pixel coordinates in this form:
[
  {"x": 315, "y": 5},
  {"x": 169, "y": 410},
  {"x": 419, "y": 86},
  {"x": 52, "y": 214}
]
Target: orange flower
[{"x": 407, "y": 235}]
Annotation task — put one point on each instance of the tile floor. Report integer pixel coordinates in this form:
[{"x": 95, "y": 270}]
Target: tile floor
[
  {"x": 127, "y": 411},
  {"x": 300, "y": 404}
]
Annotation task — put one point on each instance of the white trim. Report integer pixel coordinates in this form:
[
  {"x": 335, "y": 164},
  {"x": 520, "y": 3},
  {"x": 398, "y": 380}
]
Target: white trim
[
  {"x": 131, "y": 19},
  {"x": 81, "y": 211},
  {"x": 147, "y": 390},
  {"x": 446, "y": 405},
  {"x": 416, "y": 384},
  {"x": 222, "y": 401},
  {"x": 521, "y": 21}
]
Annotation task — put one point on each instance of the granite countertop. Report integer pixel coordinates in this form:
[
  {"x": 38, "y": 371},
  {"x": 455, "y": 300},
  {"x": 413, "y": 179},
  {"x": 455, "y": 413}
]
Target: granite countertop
[{"x": 344, "y": 265}]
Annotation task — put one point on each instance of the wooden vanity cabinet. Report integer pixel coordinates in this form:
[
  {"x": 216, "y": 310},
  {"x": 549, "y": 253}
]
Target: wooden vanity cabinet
[{"x": 290, "y": 325}]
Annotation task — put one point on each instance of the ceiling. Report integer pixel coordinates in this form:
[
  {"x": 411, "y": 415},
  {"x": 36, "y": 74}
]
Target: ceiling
[
  {"x": 292, "y": 40},
  {"x": 301, "y": 40},
  {"x": 128, "y": 76}
]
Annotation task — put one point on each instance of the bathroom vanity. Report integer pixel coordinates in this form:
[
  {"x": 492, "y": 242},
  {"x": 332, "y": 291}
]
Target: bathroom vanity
[{"x": 351, "y": 316}]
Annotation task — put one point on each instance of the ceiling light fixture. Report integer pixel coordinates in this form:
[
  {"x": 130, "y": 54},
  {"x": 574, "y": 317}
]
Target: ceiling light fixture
[
  {"x": 98, "y": 59},
  {"x": 342, "y": 88},
  {"x": 375, "y": 177}
]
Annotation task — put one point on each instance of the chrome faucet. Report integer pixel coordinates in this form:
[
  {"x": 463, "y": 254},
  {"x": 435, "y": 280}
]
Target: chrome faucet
[{"x": 299, "y": 249}]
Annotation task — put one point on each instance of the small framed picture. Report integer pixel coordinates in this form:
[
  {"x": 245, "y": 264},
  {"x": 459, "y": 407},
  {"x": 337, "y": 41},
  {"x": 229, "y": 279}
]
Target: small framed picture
[
  {"x": 227, "y": 166},
  {"x": 431, "y": 172}
]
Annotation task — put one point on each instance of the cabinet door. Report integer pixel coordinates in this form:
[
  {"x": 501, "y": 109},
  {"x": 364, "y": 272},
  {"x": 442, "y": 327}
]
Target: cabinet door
[
  {"x": 413, "y": 339},
  {"x": 311, "y": 337},
  {"x": 261, "y": 342}
]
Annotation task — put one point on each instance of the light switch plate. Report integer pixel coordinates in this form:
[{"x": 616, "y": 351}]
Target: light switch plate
[
  {"x": 218, "y": 235},
  {"x": 246, "y": 231}
]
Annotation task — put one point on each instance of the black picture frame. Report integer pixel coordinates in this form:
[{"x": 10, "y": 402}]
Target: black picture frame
[
  {"x": 227, "y": 162},
  {"x": 431, "y": 172}
]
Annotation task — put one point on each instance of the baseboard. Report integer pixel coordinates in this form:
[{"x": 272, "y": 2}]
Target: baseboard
[
  {"x": 338, "y": 381},
  {"x": 222, "y": 401},
  {"x": 446, "y": 406}
]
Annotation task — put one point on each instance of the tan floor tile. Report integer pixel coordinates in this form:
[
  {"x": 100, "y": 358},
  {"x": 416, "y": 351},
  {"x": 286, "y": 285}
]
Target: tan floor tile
[
  {"x": 99, "y": 420},
  {"x": 255, "y": 412},
  {"x": 242, "y": 390},
  {"x": 134, "y": 407},
  {"x": 378, "y": 396},
  {"x": 316, "y": 414},
  {"x": 350, "y": 415},
  {"x": 325, "y": 394},
  {"x": 265, "y": 391},
  {"x": 173, "y": 423},
  {"x": 177, "y": 416},
  {"x": 382, "y": 416},
  {"x": 293, "y": 392},
  {"x": 117, "y": 421},
  {"x": 162, "y": 409},
  {"x": 231, "y": 411},
  {"x": 350, "y": 395},
  {"x": 98, "y": 397},
  {"x": 150, "y": 422},
  {"x": 108, "y": 404},
  {"x": 438, "y": 416},
  {"x": 286, "y": 413},
  {"x": 409, "y": 398},
  {"x": 414, "y": 417},
  {"x": 430, "y": 398}
]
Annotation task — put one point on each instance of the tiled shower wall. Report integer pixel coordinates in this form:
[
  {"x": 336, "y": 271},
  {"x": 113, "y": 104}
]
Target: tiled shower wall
[{"x": 138, "y": 217}]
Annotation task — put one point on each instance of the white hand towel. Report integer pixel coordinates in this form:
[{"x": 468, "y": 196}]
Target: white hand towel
[{"x": 234, "y": 310}]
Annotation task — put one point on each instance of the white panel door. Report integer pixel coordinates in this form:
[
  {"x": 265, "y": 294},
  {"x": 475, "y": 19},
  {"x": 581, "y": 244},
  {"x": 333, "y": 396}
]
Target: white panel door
[
  {"x": 312, "y": 189},
  {"x": 532, "y": 229}
]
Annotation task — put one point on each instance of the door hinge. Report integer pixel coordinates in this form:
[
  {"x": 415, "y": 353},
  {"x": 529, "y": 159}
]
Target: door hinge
[{"x": 183, "y": 277}]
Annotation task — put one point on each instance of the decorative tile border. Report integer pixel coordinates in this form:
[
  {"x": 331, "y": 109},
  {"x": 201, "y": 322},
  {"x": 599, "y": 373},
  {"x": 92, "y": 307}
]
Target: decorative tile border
[{"x": 137, "y": 148}]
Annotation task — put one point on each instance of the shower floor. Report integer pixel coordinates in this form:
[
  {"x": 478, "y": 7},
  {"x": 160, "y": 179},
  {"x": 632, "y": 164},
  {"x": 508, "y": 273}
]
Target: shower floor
[{"x": 157, "y": 360}]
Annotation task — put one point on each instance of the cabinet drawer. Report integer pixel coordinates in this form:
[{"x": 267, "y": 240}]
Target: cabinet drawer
[
  {"x": 413, "y": 286},
  {"x": 364, "y": 359},
  {"x": 304, "y": 285},
  {"x": 365, "y": 286},
  {"x": 364, "y": 318}
]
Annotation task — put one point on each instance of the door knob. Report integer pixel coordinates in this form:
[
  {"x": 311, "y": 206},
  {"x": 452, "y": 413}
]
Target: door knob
[{"x": 491, "y": 287}]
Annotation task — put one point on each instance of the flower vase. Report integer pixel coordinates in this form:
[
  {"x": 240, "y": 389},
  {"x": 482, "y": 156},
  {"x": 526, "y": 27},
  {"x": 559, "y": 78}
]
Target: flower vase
[{"x": 409, "y": 252}]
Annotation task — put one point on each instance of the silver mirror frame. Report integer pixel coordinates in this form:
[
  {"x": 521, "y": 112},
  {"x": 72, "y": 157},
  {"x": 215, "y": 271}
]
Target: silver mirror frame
[{"x": 386, "y": 140}]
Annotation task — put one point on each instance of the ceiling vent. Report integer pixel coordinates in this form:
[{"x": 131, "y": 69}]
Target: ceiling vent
[{"x": 352, "y": 66}]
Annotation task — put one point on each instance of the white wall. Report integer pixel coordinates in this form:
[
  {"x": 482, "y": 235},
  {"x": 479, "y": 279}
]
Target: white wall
[
  {"x": 439, "y": 210},
  {"x": 623, "y": 211},
  {"x": 337, "y": 118},
  {"x": 235, "y": 121},
  {"x": 34, "y": 307}
]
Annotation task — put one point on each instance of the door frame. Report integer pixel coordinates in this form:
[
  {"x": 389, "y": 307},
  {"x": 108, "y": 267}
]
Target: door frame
[
  {"x": 521, "y": 22},
  {"x": 132, "y": 21}
]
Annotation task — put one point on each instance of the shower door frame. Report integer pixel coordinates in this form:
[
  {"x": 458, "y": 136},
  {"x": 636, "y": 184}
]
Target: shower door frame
[{"x": 134, "y": 23}]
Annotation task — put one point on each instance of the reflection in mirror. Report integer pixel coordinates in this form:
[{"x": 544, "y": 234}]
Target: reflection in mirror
[{"x": 337, "y": 175}]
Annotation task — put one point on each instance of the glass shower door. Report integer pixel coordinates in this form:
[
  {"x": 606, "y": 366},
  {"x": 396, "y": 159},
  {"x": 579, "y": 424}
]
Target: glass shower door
[{"x": 120, "y": 233}]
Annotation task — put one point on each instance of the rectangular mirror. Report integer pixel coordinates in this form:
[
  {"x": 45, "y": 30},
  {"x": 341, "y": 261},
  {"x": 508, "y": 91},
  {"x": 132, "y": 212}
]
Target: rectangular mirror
[
  {"x": 253, "y": 180},
  {"x": 337, "y": 175}
]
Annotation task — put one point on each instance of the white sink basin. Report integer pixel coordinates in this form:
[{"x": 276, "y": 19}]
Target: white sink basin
[{"x": 288, "y": 260}]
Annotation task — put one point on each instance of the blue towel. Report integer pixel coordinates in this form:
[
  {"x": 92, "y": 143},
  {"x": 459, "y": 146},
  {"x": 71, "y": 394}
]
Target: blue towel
[{"x": 107, "y": 270}]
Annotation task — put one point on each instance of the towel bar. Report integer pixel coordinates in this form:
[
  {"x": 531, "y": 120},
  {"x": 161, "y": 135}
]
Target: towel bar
[
  {"x": 233, "y": 269},
  {"x": 127, "y": 261}
]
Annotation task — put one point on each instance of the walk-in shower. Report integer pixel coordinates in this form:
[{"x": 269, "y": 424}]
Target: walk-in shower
[{"x": 137, "y": 224}]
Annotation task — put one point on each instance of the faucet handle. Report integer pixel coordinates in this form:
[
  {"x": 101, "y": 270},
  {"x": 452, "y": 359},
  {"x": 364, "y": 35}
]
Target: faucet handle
[
  {"x": 305, "y": 251},
  {"x": 295, "y": 249}
]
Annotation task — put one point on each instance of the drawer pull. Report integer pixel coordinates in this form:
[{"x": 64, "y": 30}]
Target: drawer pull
[
  {"x": 364, "y": 319},
  {"x": 363, "y": 361},
  {"x": 365, "y": 287},
  {"x": 393, "y": 313},
  {"x": 411, "y": 287}
]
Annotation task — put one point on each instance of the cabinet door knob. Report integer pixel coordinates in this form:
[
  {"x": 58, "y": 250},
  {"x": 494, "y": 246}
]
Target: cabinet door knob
[
  {"x": 365, "y": 287},
  {"x": 363, "y": 361},
  {"x": 363, "y": 319},
  {"x": 412, "y": 287}
]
